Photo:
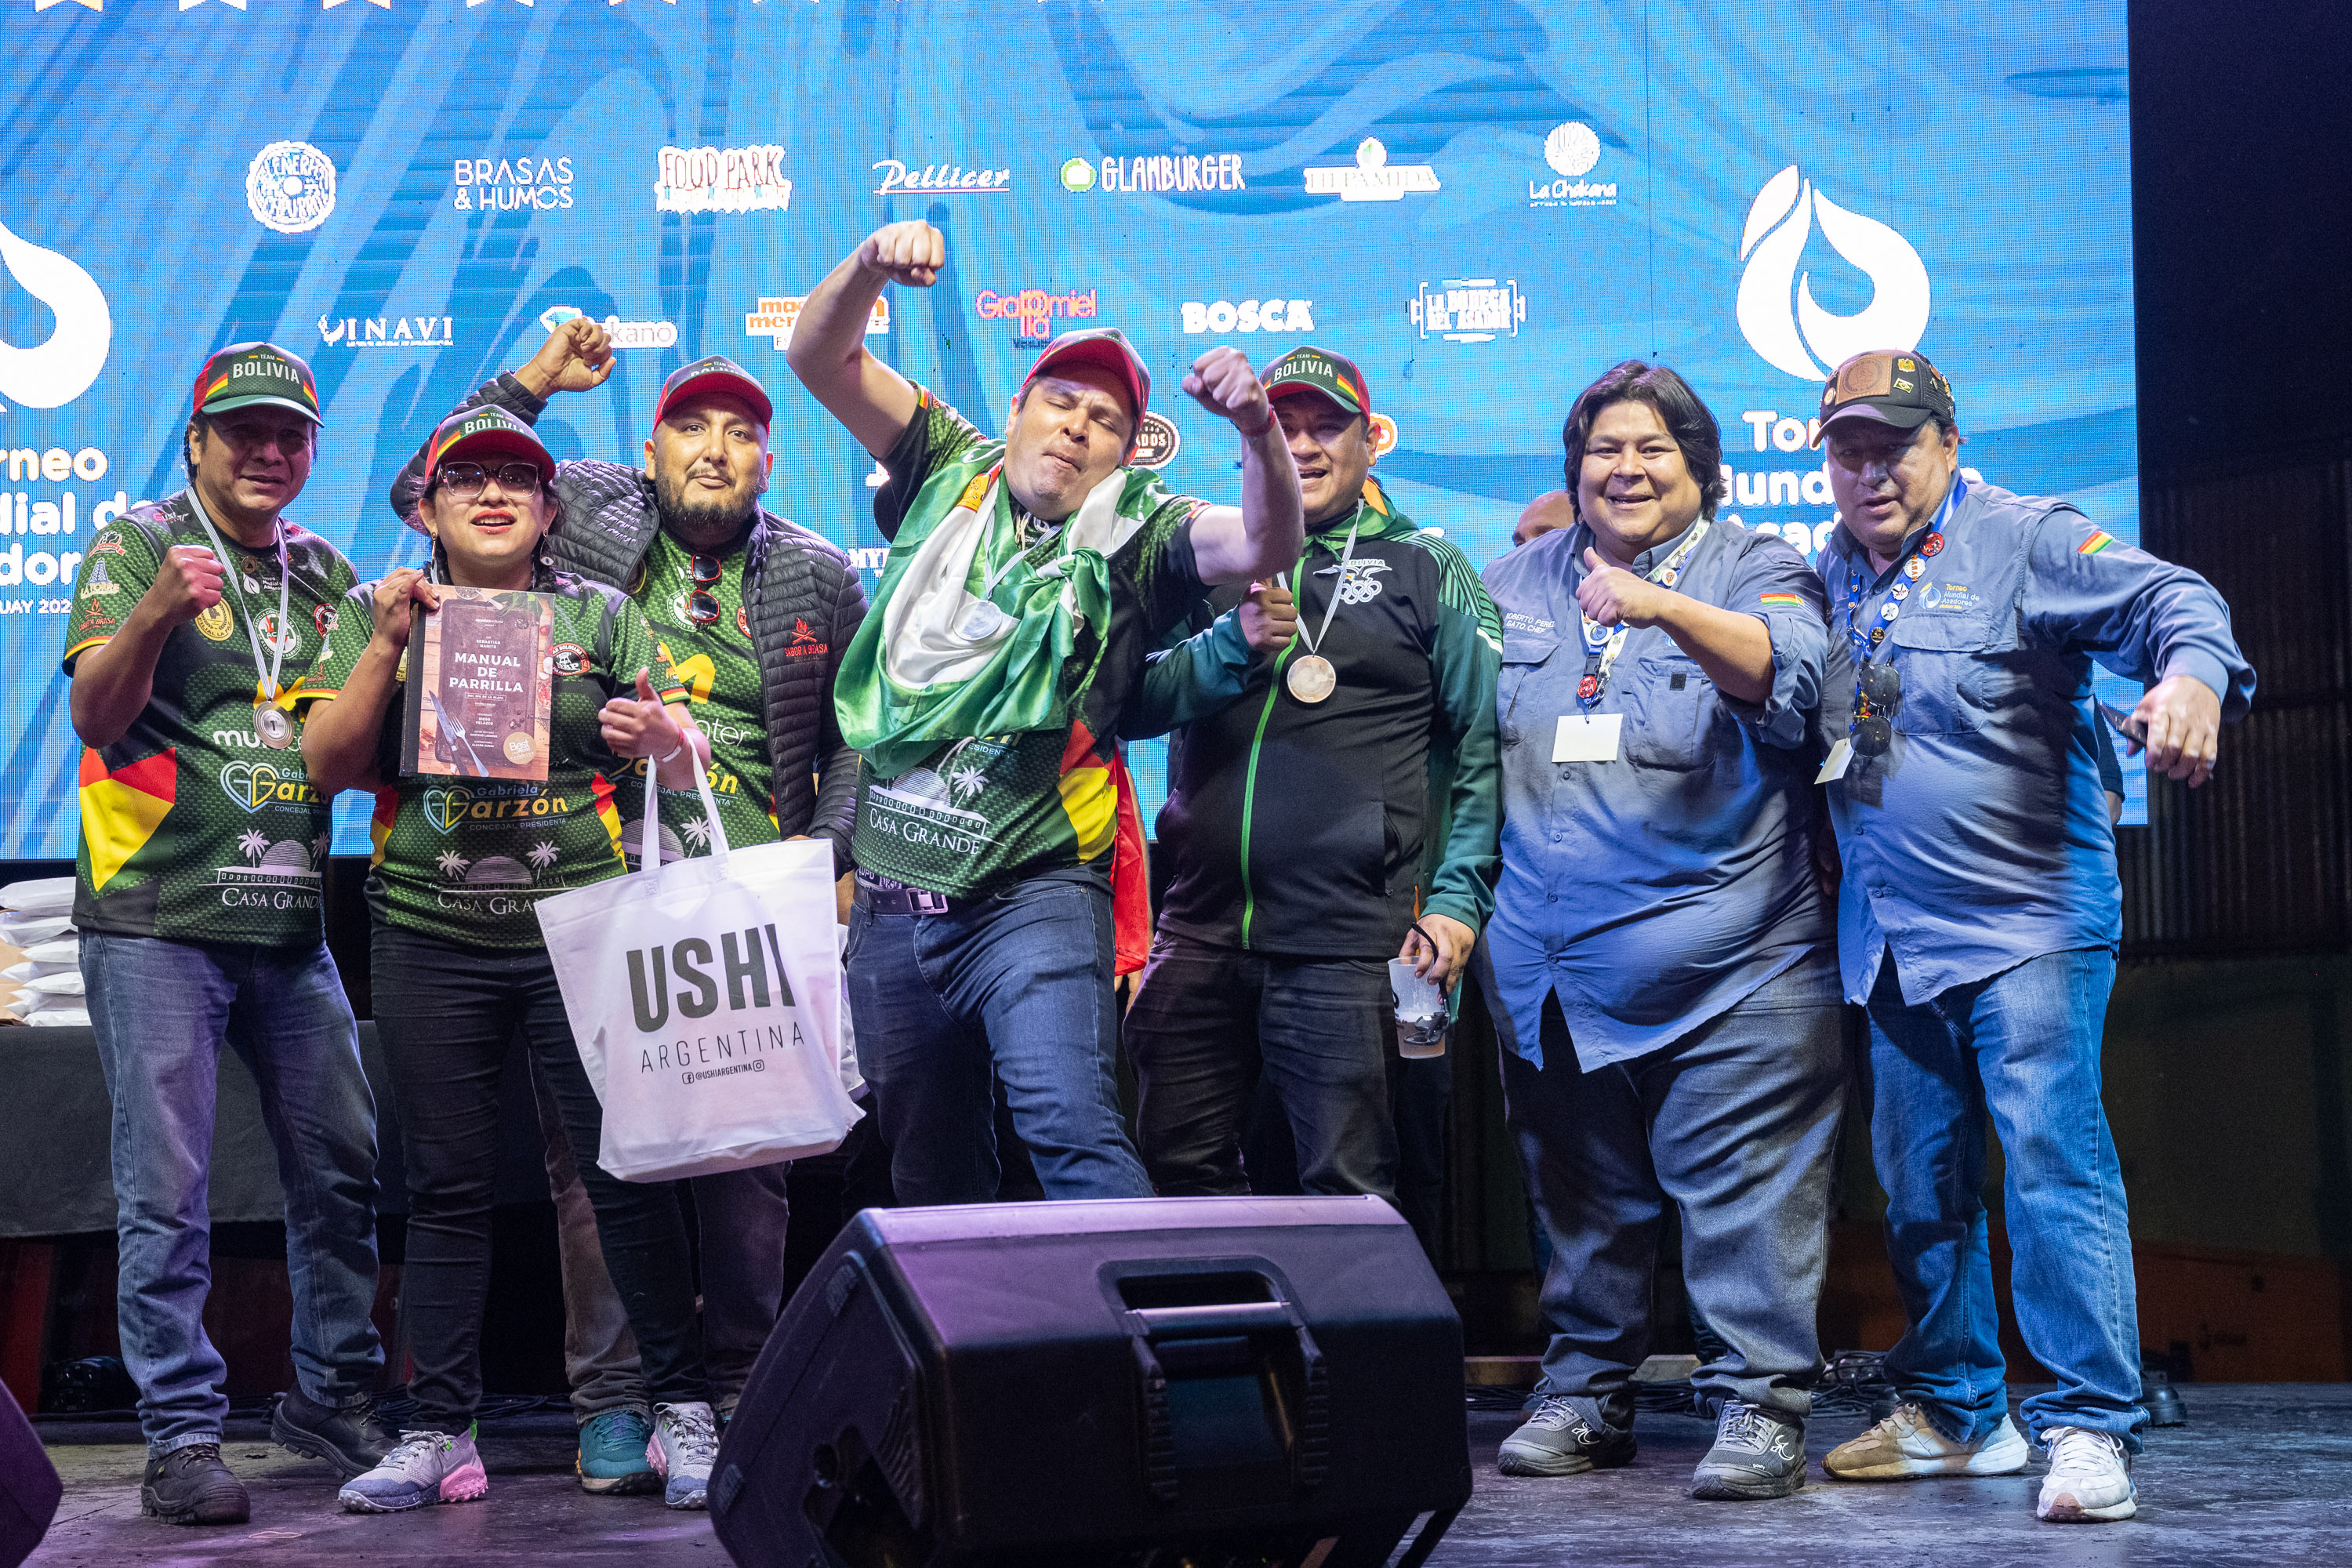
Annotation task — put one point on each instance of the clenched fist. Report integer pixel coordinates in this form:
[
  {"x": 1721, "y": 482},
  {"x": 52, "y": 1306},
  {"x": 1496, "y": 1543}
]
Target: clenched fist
[
  {"x": 1222, "y": 382},
  {"x": 576, "y": 356},
  {"x": 186, "y": 585},
  {"x": 910, "y": 252},
  {"x": 1269, "y": 617},
  {"x": 398, "y": 590}
]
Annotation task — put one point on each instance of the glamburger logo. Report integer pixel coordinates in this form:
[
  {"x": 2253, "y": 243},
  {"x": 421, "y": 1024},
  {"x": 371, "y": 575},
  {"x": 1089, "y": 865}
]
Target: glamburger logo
[{"x": 1156, "y": 441}]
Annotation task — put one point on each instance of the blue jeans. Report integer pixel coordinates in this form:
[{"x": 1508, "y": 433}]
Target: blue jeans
[
  {"x": 1017, "y": 986},
  {"x": 162, "y": 1010},
  {"x": 2023, "y": 1046}
]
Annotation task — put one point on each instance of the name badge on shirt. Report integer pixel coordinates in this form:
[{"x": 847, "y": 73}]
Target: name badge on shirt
[
  {"x": 1587, "y": 738},
  {"x": 1841, "y": 758}
]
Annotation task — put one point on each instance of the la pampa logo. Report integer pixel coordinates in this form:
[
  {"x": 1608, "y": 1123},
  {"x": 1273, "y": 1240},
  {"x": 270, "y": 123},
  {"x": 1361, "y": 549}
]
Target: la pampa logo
[
  {"x": 290, "y": 186},
  {"x": 1571, "y": 151},
  {"x": 1776, "y": 310},
  {"x": 721, "y": 180},
  {"x": 61, "y": 367}
]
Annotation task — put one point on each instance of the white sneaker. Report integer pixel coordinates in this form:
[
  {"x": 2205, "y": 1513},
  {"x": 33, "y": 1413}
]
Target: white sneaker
[
  {"x": 684, "y": 1444},
  {"x": 427, "y": 1467},
  {"x": 2089, "y": 1480},
  {"x": 1906, "y": 1445}
]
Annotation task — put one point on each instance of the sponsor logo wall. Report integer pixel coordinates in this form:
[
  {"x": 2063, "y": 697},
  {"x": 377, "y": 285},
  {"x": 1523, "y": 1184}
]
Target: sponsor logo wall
[{"x": 1482, "y": 216}]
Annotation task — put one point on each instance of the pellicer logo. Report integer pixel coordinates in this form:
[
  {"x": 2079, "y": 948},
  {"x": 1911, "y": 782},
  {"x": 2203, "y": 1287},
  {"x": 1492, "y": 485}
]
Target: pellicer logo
[
  {"x": 941, "y": 180},
  {"x": 778, "y": 315},
  {"x": 1156, "y": 441},
  {"x": 1469, "y": 309},
  {"x": 721, "y": 180},
  {"x": 1035, "y": 308},
  {"x": 290, "y": 186},
  {"x": 621, "y": 335},
  {"x": 1571, "y": 150},
  {"x": 61, "y": 367},
  {"x": 1373, "y": 178},
  {"x": 1249, "y": 316},
  {"x": 1776, "y": 310}
]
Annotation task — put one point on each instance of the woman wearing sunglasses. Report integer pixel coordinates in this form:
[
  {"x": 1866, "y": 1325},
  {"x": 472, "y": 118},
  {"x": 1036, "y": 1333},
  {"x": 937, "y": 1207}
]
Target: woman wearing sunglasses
[
  {"x": 1660, "y": 963},
  {"x": 459, "y": 965}
]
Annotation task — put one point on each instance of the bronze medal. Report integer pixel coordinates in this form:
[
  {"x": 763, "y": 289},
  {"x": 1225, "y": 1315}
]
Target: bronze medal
[{"x": 1312, "y": 679}]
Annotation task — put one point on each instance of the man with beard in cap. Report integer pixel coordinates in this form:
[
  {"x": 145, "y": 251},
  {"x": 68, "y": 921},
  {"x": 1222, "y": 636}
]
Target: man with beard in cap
[
  {"x": 754, "y": 613},
  {"x": 1027, "y": 578}
]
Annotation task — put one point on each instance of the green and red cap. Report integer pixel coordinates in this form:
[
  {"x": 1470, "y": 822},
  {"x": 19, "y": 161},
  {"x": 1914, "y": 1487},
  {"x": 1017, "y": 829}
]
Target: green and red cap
[
  {"x": 1309, "y": 369},
  {"x": 1105, "y": 346},
  {"x": 256, "y": 376},
  {"x": 716, "y": 373},
  {"x": 488, "y": 436}
]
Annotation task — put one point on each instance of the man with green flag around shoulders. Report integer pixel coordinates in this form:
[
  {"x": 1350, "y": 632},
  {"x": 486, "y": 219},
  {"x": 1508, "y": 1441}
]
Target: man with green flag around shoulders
[{"x": 1027, "y": 578}]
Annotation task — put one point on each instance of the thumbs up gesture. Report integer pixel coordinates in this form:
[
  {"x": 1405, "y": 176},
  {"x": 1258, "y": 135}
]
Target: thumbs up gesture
[{"x": 644, "y": 726}]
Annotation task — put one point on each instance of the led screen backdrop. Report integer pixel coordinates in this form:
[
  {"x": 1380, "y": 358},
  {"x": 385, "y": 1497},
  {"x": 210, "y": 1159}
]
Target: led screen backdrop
[{"x": 1484, "y": 204}]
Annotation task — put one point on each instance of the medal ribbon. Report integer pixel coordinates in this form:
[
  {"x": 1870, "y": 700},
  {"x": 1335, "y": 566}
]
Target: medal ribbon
[
  {"x": 1601, "y": 647},
  {"x": 268, "y": 677},
  {"x": 1315, "y": 644},
  {"x": 1868, "y": 643}
]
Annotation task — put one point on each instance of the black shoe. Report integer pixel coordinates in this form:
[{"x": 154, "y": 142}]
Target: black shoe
[
  {"x": 1756, "y": 1456},
  {"x": 191, "y": 1486},
  {"x": 354, "y": 1441},
  {"x": 1557, "y": 1441}
]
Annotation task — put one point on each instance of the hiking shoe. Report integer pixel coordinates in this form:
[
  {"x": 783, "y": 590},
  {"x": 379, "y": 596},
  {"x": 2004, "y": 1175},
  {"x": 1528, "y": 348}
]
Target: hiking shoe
[
  {"x": 685, "y": 1442},
  {"x": 426, "y": 1466},
  {"x": 1906, "y": 1445},
  {"x": 191, "y": 1486},
  {"x": 354, "y": 1440},
  {"x": 2089, "y": 1480},
  {"x": 1557, "y": 1441},
  {"x": 1756, "y": 1456},
  {"x": 612, "y": 1460}
]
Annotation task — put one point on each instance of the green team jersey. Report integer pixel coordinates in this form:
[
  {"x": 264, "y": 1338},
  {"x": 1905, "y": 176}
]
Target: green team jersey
[
  {"x": 468, "y": 859},
  {"x": 985, "y": 812},
  {"x": 191, "y": 828},
  {"x": 718, "y": 666}
]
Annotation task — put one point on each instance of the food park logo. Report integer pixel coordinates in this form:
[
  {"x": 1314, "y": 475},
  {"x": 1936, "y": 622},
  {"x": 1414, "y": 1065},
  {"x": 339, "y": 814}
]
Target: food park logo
[
  {"x": 721, "y": 180},
  {"x": 1170, "y": 173},
  {"x": 1156, "y": 441},
  {"x": 1373, "y": 178},
  {"x": 1775, "y": 308},
  {"x": 1571, "y": 150},
  {"x": 940, "y": 180},
  {"x": 621, "y": 335},
  {"x": 1222, "y": 316},
  {"x": 1469, "y": 309},
  {"x": 777, "y": 314},
  {"x": 510, "y": 184},
  {"x": 290, "y": 186},
  {"x": 61, "y": 367},
  {"x": 1035, "y": 310},
  {"x": 388, "y": 332}
]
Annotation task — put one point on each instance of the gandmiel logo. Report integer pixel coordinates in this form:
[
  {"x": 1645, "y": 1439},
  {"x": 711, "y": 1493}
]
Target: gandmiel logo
[{"x": 1776, "y": 310}]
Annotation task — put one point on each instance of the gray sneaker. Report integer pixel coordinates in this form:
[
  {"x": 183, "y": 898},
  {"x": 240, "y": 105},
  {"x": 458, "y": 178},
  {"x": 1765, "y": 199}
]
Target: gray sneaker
[
  {"x": 1557, "y": 1441},
  {"x": 1755, "y": 1455}
]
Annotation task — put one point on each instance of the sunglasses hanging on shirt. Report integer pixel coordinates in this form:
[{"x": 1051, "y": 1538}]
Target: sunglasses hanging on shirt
[{"x": 701, "y": 606}]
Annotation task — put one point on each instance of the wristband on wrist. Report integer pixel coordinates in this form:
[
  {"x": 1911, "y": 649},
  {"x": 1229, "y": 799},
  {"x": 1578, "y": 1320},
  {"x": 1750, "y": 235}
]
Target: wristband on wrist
[{"x": 1270, "y": 422}]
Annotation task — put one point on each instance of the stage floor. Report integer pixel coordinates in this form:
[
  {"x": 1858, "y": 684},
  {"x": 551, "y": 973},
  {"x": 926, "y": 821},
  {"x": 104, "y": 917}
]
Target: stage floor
[{"x": 2262, "y": 1474}]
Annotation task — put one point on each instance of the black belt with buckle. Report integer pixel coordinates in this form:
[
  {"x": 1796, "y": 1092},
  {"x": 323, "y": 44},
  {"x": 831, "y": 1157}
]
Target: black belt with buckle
[{"x": 883, "y": 896}]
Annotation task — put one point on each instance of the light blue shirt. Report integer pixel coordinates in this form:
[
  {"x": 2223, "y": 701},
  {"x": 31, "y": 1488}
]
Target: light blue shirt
[
  {"x": 1652, "y": 893},
  {"x": 1980, "y": 838}
]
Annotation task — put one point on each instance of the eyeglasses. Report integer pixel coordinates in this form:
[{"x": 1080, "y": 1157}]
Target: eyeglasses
[
  {"x": 1876, "y": 695},
  {"x": 465, "y": 480},
  {"x": 702, "y": 604}
]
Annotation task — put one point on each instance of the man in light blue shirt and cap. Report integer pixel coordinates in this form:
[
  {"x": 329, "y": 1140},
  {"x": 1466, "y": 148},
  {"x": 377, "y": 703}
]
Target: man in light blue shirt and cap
[{"x": 1979, "y": 914}]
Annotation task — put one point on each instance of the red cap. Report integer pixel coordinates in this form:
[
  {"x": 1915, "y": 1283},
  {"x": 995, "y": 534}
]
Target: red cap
[
  {"x": 716, "y": 373},
  {"x": 1105, "y": 346}
]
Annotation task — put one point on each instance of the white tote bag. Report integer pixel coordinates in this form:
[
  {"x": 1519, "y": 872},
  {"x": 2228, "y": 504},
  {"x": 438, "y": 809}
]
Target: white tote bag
[{"x": 706, "y": 998}]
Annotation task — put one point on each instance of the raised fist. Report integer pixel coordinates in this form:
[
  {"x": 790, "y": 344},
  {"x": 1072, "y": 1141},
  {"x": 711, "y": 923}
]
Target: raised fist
[
  {"x": 1222, "y": 382},
  {"x": 910, "y": 252},
  {"x": 576, "y": 356},
  {"x": 186, "y": 584}
]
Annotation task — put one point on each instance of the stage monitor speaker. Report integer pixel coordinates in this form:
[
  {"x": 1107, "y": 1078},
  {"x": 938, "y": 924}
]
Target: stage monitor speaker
[
  {"x": 29, "y": 1487},
  {"x": 1273, "y": 1382}
]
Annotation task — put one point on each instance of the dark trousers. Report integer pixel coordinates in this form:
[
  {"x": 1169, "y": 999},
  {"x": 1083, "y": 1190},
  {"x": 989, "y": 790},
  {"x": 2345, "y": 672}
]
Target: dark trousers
[
  {"x": 1736, "y": 1123},
  {"x": 445, "y": 1012},
  {"x": 1210, "y": 1021}
]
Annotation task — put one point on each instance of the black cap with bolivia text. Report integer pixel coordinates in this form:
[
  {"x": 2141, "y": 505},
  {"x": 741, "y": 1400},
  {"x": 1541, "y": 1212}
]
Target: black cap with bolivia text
[{"x": 1311, "y": 369}]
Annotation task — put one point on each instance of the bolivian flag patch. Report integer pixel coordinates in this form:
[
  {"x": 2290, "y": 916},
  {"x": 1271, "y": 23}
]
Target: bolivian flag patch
[
  {"x": 1781, "y": 601},
  {"x": 2100, "y": 539}
]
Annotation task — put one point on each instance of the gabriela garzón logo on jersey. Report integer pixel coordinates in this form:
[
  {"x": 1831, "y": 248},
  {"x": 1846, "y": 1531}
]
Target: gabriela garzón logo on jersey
[
  {"x": 1775, "y": 308},
  {"x": 290, "y": 186},
  {"x": 721, "y": 180},
  {"x": 1469, "y": 309}
]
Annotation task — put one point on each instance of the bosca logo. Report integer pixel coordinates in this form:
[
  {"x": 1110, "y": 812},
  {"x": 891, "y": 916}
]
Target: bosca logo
[
  {"x": 743, "y": 964},
  {"x": 256, "y": 784}
]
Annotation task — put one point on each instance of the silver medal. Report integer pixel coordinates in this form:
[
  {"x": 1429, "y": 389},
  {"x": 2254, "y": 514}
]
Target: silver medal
[
  {"x": 275, "y": 730},
  {"x": 1312, "y": 679}
]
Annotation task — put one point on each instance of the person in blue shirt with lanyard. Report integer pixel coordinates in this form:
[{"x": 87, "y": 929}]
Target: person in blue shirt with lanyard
[
  {"x": 1979, "y": 911},
  {"x": 1658, "y": 964}
]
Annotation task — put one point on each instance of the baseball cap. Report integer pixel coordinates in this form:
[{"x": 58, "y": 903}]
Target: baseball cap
[
  {"x": 487, "y": 436},
  {"x": 1891, "y": 386},
  {"x": 716, "y": 373},
  {"x": 1309, "y": 369},
  {"x": 1105, "y": 346},
  {"x": 254, "y": 375}
]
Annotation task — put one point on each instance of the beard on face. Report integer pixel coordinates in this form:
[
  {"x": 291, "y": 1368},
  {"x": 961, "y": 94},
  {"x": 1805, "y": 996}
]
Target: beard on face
[{"x": 701, "y": 525}]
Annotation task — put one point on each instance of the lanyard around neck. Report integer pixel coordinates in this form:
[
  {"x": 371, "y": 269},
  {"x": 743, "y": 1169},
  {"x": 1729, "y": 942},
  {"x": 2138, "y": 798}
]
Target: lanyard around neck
[
  {"x": 1315, "y": 644},
  {"x": 1601, "y": 647},
  {"x": 281, "y": 635},
  {"x": 1867, "y": 642}
]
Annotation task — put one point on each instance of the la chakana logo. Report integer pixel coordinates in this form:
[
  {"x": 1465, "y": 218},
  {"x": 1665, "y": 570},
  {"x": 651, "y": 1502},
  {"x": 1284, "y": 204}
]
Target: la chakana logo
[
  {"x": 1776, "y": 309},
  {"x": 290, "y": 186},
  {"x": 1571, "y": 149}
]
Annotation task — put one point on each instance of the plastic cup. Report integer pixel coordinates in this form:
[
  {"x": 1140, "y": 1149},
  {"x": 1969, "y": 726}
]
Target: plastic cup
[{"x": 1420, "y": 1012}]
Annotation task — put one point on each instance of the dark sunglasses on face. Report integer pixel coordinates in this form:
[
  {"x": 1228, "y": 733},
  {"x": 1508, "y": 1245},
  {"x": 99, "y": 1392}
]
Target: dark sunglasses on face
[{"x": 465, "y": 480}]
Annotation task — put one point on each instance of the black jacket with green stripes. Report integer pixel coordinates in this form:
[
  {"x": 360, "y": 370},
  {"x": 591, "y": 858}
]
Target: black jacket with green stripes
[{"x": 1319, "y": 829}]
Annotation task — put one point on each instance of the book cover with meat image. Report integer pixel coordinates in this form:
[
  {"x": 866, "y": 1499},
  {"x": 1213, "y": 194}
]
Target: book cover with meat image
[{"x": 481, "y": 685}]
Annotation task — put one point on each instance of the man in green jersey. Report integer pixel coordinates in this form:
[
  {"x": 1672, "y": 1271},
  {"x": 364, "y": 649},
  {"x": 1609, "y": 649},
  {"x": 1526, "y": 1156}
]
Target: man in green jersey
[
  {"x": 1027, "y": 578},
  {"x": 203, "y": 845}
]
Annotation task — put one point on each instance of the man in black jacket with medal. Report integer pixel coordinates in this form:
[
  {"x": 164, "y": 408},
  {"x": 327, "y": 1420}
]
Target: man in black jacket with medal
[{"x": 1331, "y": 806}]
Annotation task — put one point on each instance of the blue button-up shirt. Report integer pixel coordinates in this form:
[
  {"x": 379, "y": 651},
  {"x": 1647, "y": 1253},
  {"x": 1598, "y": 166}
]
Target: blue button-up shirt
[
  {"x": 1980, "y": 838},
  {"x": 1652, "y": 893}
]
